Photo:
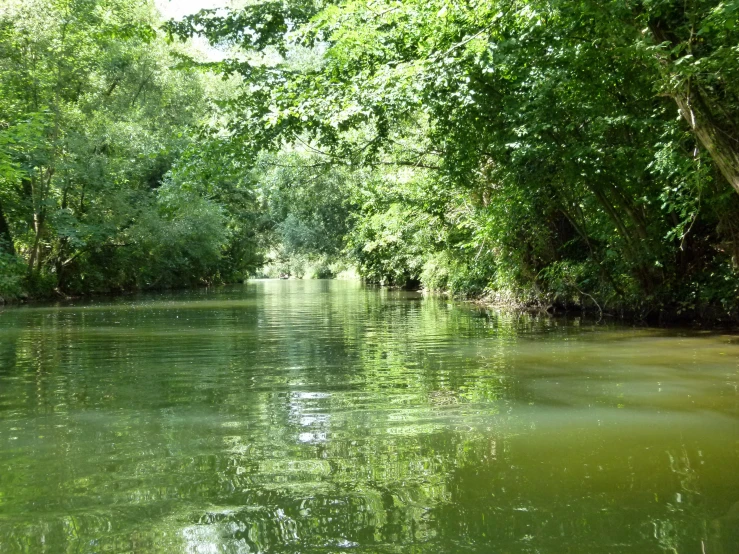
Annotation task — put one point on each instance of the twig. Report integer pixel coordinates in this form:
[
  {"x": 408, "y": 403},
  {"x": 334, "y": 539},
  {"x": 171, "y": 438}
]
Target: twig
[
  {"x": 460, "y": 44},
  {"x": 591, "y": 298}
]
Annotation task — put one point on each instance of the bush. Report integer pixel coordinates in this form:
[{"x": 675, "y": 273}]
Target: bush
[{"x": 12, "y": 276}]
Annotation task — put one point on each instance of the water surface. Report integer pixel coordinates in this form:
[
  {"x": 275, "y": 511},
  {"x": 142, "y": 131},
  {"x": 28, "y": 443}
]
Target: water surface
[{"x": 322, "y": 416}]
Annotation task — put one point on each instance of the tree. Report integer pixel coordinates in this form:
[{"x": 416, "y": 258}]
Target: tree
[
  {"x": 562, "y": 171},
  {"x": 100, "y": 119}
]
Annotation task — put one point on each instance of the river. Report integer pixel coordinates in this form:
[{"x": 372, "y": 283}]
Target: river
[{"x": 325, "y": 416}]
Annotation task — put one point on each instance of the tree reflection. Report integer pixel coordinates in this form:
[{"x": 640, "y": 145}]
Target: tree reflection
[{"x": 322, "y": 417}]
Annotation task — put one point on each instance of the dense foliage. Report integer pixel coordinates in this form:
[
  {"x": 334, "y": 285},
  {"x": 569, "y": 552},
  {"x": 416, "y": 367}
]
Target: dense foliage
[
  {"x": 111, "y": 177},
  {"x": 565, "y": 153}
]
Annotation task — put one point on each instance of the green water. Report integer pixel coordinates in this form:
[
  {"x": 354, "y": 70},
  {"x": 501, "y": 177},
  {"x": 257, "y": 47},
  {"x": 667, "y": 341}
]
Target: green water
[{"x": 289, "y": 416}]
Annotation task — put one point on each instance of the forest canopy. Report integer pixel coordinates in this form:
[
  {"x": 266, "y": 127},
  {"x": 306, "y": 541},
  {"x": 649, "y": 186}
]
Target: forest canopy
[{"x": 567, "y": 153}]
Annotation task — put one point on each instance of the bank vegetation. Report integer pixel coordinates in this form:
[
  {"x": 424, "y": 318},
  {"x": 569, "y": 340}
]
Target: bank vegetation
[{"x": 570, "y": 153}]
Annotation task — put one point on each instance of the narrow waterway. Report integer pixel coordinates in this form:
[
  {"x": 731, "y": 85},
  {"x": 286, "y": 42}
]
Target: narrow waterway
[{"x": 323, "y": 416}]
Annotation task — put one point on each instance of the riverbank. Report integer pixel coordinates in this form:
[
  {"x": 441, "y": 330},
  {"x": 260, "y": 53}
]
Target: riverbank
[
  {"x": 57, "y": 295},
  {"x": 709, "y": 317}
]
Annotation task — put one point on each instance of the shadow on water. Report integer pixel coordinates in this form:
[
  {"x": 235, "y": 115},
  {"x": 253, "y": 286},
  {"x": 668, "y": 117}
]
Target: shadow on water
[{"x": 291, "y": 416}]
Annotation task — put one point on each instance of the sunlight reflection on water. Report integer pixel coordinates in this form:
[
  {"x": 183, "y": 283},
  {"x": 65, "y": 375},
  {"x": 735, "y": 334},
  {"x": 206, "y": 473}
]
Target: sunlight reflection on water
[{"x": 291, "y": 416}]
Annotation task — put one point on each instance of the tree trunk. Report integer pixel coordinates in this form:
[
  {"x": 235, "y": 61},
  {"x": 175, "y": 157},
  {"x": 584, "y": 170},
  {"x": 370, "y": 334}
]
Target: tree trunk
[
  {"x": 6, "y": 239},
  {"x": 38, "y": 223},
  {"x": 720, "y": 145},
  {"x": 723, "y": 151}
]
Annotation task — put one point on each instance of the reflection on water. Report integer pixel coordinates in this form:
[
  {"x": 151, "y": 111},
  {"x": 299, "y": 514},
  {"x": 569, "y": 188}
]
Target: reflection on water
[{"x": 289, "y": 416}]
